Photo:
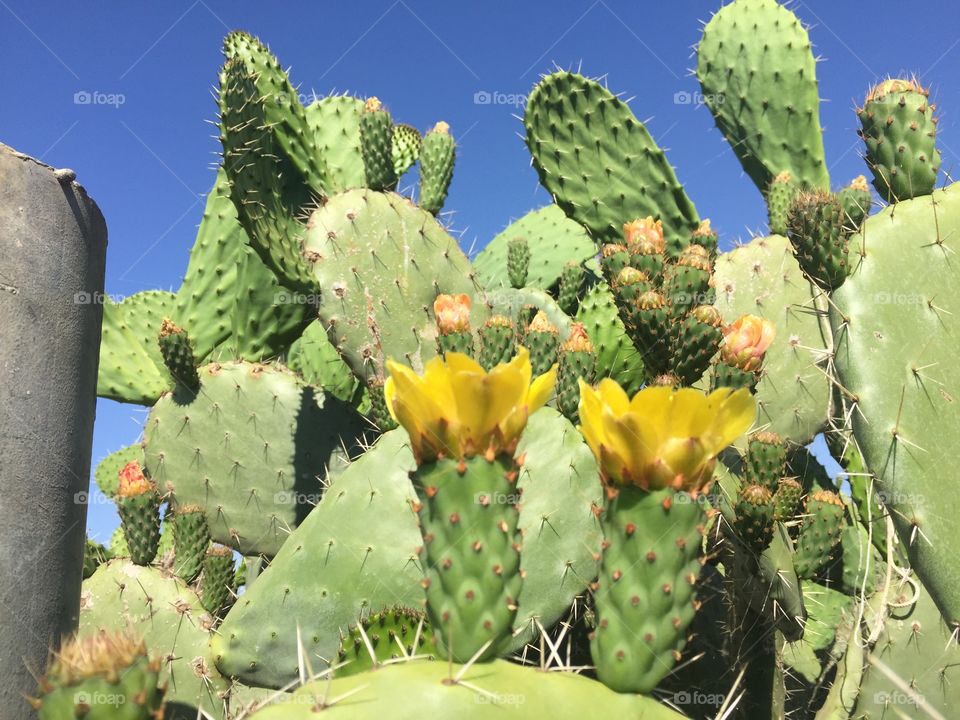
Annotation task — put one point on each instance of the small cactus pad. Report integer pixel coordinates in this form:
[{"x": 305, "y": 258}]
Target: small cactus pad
[
  {"x": 250, "y": 448},
  {"x": 758, "y": 74},
  {"x": 599, "y": 161},
  {"x": 379, "y": 637}
]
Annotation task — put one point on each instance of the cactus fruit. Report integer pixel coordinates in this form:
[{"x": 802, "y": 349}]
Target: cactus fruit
[
  {"x": 649, "y": 328},
  {"x": 216, "y": 583},
  {"x": 191, "y": 536},
  {"x": 104, "y": 676},
  {"x": 815, "y": 226},
  {"x": 900, "y": 133},
  {"x": 786, "y": 498},
  {"x": 568, "y": 292},
  {"x": 577, "y": 361},
  {"x": 497, "y": 341},
  {"x": 542, "y": 340},
  {"x": 645, "y": 245},
  {"x": 763, "y": 95},
  {"x": 138, "y": 504},
  {"x": 599, "y": 161},
  {"x": 819, "y": 533},
  {"x": 695, "y": 341},
  {"x": 856, "y": 202},
  {"x": 755, "y": 513},
  {"x": 107, "y": 474},
  {"x": 453, "y": 324},
  {"x": 766, "y": 460},
  {"x": 376, "y": 144},
  {"x": 178, "y": 355},
  {"x": 249, "y": 448},
  {"x": 407, "y": 142},
  {"x": 377, "y": 638},
  {"x": 686, "y": 282},
  {"x": 707, "y": 238},
  {"x": 780, "y": 194},
  {"x": 437, "y": 156},
  {"x": 518, "y": 261},
  {"x": 613, "y": 258}
]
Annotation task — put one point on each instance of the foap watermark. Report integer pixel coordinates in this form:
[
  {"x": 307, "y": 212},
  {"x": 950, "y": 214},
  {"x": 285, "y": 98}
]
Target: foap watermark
[
  {"x": 287, "y": 297},
  {"x": 291, "y": 497},
  {"x": 496, "y": 97},
  {"x": 897, "y": 697},
  {"x": 682, "y": 97},
  {"x": 898, "y": 298},
  {"x": 492, "y": 698},
  {"x": 102, "y": 699},
  {"x": 686, "y": 698},
  {"x": 87, "y": 498},
  {"x": 96, "y": 298},
  {"x": 496, "y": 498},
  {"x": 97, "y": 97}
]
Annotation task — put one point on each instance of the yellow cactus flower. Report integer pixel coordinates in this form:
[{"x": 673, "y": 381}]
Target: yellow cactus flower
[
  {"x": 746, "y": 341},
  {"x": 133, "y": 482},
  {"x": 644, "y": 235},
  {"x": 663, "y": 437},
  {"x": 453, "y": 313},
  {"x": 456, "y": 409}
]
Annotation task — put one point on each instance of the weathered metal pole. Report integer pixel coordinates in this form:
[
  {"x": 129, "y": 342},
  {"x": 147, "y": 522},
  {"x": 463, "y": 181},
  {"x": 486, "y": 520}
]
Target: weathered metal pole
[{"x": 53, "y": 243}]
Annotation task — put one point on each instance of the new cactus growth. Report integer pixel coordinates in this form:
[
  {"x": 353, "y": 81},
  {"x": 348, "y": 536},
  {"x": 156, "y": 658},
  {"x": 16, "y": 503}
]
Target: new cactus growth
[
  {"x": 815, "y": 226},
  {"x": 104, "y": 676},
  {"x": 464, "y": 424},
  {"x": 216, "y": 583},
  {"x": 453, "y": 324},
  {"x": 497, "y": 341},
  {"x": 178, "y": 355},
  {"x": 542, "y": 340},
  {"x": 819, "y": 533},
  {"x": 376, "y": 144},
  {"x": 138, "y": 503},
  {"x": 856, "y": 202},
  {"x": 407, "y": 142},
  {"x": 437, "y": 156},
  {"x": 786, "y": 498},
  {"x": 656, "y": 453},
  {"x": 571, "y": 282},
  {"x": 755, "y": 513},
  {"x": 383, "y": 636},
  {"x": 766, "y": 459},
  {"x": 779, "y": 196},
  {"x": 899, "y": 129},
  {"x": 577, "y": 361},
  {"x": 191, "y": 537},
  {"x": 518, "y": 261},
  {"x": 645, "y": 245}
]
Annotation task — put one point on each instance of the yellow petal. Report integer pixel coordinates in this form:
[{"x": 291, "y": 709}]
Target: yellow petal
[
  {"x": 641, "y": 440},
  {"x": 613, "y": 396},
  {"x": 591, "y": 423},
  {"x": 541, "y": 389},
  {"x": 484, "y": 400},
  {"x": 458, "y": 362},
  {"x": 735, "y": 413},
  {"x": 690, "y": 413}
]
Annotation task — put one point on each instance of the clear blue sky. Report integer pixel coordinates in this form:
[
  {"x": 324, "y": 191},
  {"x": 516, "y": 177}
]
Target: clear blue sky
[{"x": 145, "y": 150}]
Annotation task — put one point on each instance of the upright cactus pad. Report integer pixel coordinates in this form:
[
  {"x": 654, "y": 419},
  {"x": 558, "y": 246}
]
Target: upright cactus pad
[
  {"x": 815, "y": 226},
  {"x": 766, "y": 460},
  {"x": 104, "y": 676},
  {"x": 553, "y": 240},
  {"x": 376, "y": 144},
  {"x": 617, "y": 358},
  {"x": 497, "y": 341},
  {"x": 216, "y": 583},
  {"x": 900, "y": 133},
  {"x": 895, "y": 321},
  {"x": 599, "y": 161},
  {"x": 647, "y": 583},
  {"x": 191, "y": 537},
  {"x": 571, "y": 283},
  {"x": 437, "y": 156},
  {"x": 138, "y": 504},
  {"x": 471, "y": 552},
  {"x": 856, "y": 201},
  {"x": 518, "y": 261},
  {"x": 755, "y": 513},
  {"x": 335, "y": 123},
  {"x": 380, "y": 261},
  {"x": 819, "y": 532},
  {"x": 249, "y": 448},
  {"x": 407, "y": 142},
  {"x": 542, "y": 339},
  {"x": 758, "y": 74},
  {"x": 577, "y": 361},
  {"x": 178, "y": 355},
  {"x": 780, "y": 194}
]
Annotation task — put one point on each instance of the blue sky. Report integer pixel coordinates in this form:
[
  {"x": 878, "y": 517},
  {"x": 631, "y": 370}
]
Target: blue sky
[{"x": 145, "y": 149}]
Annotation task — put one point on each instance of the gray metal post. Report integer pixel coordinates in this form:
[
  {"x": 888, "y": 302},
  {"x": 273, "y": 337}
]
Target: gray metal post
[{"x": 53, "y": 243}]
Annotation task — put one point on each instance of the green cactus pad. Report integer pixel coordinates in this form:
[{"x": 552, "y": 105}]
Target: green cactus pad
[
  {"x": 763, "y": 94},
  {"x": 573, "y": 366},
  {"x": 518, "y": 261},
  {"x": 174, "y": 626},
  {"x": 779, "y": 196},
  {"x": 316, "y": 360},
  {"x": 914, "y": 667},
  {"x": 646, "y": 589},
  {"x": 571, "y": 284},
  {"x": 755, "y": 510},
  {"x": 388, "y": 635},
  {"x": 819, "y": 533},
  {"x": 459, "y": 342},
  {"x": 178, "y": 355},
  {"x": 354, "y": 553},
  {"x": 762, "y": 278},
  {"x": 815, "y": 226},
  {"x": 94, "y": 555},
  {"x": 140, "y": 520},
  {"x": 497, "y": 342},
  {"x": 191, "y": 536},
  {"x": 786, "y": 499},
  {"x": 131, "y": 367},
  {"x": 407, "y": 143},
  {"x": 897, "y": 342},
  {"x": 900, "y": 134},
  {"x": 766, "y": 460},
  {"x": 485, "y": 691},
  {"x": 381, "y": 262},
  {"x": 600, "y": 163},
  {"x": 249, "y": 448},
  {"x": 217, "y": 582},
  {"x": 617, "y": 357},
  {"x": 856, "y": 201},
  {"x": 335, "y": 122}
]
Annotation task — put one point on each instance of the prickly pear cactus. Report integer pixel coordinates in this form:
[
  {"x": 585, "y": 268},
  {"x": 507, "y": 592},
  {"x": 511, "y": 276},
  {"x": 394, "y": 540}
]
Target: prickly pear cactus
[
  {"x": 250, "y": 448},
  {"x": 763, "y": 95},
  {"x": 335, "y": 122},
  {"x": 897, "y": 337},
  {"x": 384, "y": 637},
  {"x": 599, "y": 161},
  {"x": 617, "y": 357},
  {"x": 381, "y": 261}
]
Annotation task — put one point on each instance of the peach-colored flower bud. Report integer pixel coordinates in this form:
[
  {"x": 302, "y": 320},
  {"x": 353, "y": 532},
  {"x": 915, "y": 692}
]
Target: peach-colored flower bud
[
  {"x": 578, "y": 341},
  {"x": 453, "y": 313},
  {"x": 133, "y": 482},
  {"x": 644, "y": 236},
  {"x": 746, "y": 341}
]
